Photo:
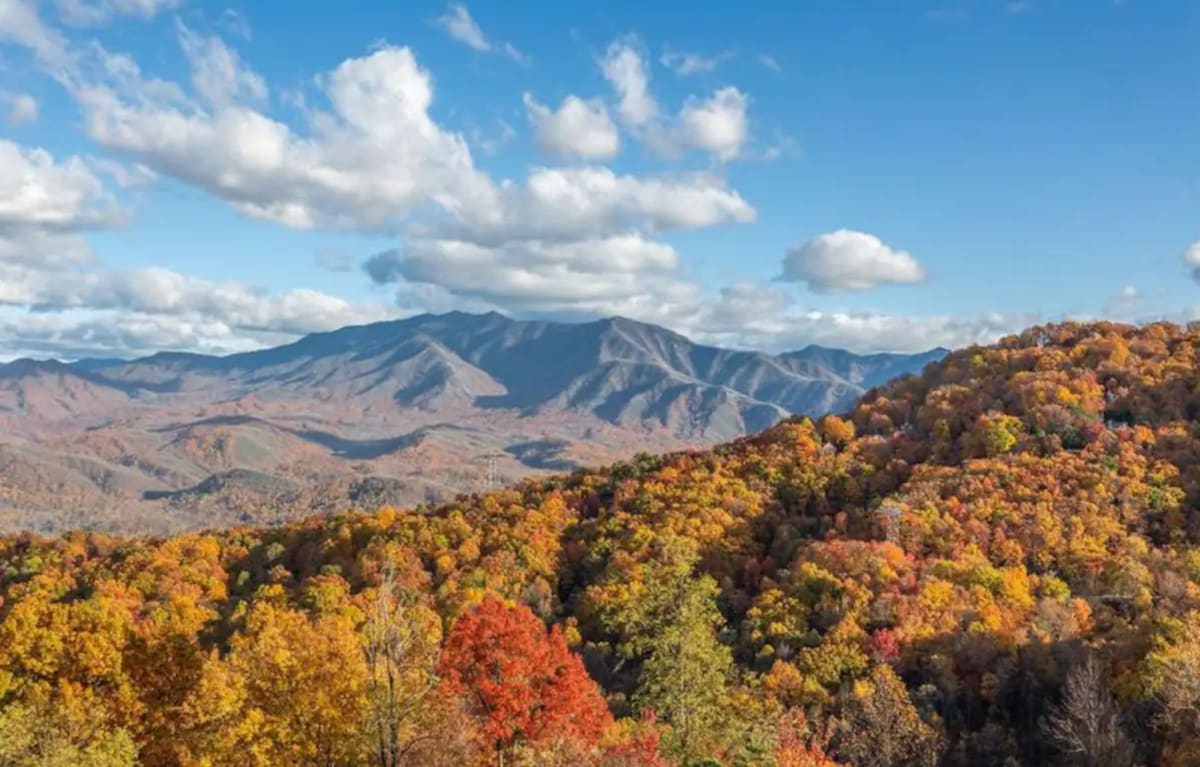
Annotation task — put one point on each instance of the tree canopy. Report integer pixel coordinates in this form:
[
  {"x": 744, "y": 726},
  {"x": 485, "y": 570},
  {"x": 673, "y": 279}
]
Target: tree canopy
[{"x": 988, "y": 564}]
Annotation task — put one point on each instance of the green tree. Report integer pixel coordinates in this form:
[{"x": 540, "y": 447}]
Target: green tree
[
  {"x": 31, "y": 737},
  {"x": 673, "y": 628}
]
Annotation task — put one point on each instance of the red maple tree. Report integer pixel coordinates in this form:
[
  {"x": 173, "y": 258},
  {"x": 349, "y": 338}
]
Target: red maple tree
[{"x": 520, "y": 680}]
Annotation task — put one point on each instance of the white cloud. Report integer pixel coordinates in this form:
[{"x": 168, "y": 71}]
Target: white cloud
[
  {"x": 625, "y": 70},
  {"x": 38, "y": 192},
  {"x": 236, "y": 24},
  {"x": 218, "y": 74},
  {"x": 84, "y": 333},
  {"x": 457, "y": 23},
  {"x": 586, "y": 202},
  {"x": 45, "y": 205},
  {"x": 1191, "y": 259},
  {"x": 21, "y": 24},
  {"x": 159, "y": 291},
  {"x": 577, "y": 128},
  {"x": 366, "y": 164},
  {"x": 578, "y": 239},
  {"x": 685, "y": 64},
  {"x": 523, "y": 275},
  {"x": 38, "y": 249},
  {"x": 22, "y": 108},
  {"x": 94, "y": 12},
  {"x": 575, "y": 240},
  {"x": 753, "y": 316},
  {"x": 47, "y": 268},
  {"x": 846, "y": 260},
  {"x": 76, "y": 333},
  {"x": 717, "y": 125},
  {"x": 569, "y": 239}
]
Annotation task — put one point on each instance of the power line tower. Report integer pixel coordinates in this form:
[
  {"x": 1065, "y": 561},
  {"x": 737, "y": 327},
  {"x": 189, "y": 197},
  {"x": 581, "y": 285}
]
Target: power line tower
[
  {"x": 890, "y": 517},
  {"x": 492, "y": 481}
]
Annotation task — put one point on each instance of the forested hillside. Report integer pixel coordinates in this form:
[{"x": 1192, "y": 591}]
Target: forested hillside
[{"x": 994, "y": 564}]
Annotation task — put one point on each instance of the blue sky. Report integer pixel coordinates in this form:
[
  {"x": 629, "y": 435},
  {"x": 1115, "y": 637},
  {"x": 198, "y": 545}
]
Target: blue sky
[{"x": 875, "y": 175}]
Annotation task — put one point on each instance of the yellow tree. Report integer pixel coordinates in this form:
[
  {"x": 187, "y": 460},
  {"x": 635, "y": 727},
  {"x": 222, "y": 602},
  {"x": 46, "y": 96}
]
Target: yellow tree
[
  {"x": 292, "y": 691},
  {"x": 401, "y": 644}
]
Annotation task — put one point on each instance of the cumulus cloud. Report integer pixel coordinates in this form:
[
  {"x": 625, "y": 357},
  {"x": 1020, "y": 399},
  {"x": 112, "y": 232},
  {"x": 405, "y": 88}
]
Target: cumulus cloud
[
  {"x": 573, "y": 240},
  {"x": 717, "y": 124},
  {"x": 82, "y": 333},
  {"x": 457, "y": 23},
  {"x": 589, "y": 201},
  {"x": 164, "y": 292},
  {"x": 531, "y": 275},
  {"x": 45, "y": 206},
  {"x": 577, "y": 240},
  {"x": 624, "y": 68},
  {"x": 569, "y": 239},
  {"x": 365, "y": 164},
  {"x": 846, "y": 260},
  {"x": 578, "y": 128},
  {"x": 38, "y": 192},
  {"x": 165, "y": 298},
  {"x": 47, "y": 269},
  {"x": 1191, "y": 259}
]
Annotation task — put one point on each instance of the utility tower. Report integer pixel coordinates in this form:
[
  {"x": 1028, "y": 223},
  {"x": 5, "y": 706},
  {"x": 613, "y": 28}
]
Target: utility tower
[
  {"x": 890, "y": 517},
  {"x": 492, "y": 481}
]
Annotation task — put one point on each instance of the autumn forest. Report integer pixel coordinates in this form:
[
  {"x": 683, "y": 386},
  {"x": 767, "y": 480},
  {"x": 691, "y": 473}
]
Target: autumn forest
[{"x": 995, "y": 563}]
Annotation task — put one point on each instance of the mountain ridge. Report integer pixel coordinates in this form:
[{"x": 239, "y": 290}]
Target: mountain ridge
[{"x": 371, "y": 398}]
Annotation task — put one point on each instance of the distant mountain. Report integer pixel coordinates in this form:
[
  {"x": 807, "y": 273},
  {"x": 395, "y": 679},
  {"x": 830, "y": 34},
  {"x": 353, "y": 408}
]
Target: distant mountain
[
  {"x": 433, "y": 405},
  {"x": 51, "y": 390}
]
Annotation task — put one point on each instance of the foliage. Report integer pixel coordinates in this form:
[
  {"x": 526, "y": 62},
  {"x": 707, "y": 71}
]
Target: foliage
[
  {"x": 524, "y": 683},
  {"x": 916, "y": 581}
]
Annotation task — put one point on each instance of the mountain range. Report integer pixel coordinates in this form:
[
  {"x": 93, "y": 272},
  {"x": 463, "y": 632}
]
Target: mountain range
[{"x": 396, "y": 412}]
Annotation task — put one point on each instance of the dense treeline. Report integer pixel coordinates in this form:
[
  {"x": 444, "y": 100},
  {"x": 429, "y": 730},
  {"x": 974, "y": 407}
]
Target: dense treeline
[{"x": 996, "y": 563}]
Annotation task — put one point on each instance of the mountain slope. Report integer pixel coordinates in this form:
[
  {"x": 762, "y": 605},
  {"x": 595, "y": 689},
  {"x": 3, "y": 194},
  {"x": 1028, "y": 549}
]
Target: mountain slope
[
  {"x": 432, "y": 405},
  {"x": 491, "y": 361},
  {"x": 50, "y": 390}
]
